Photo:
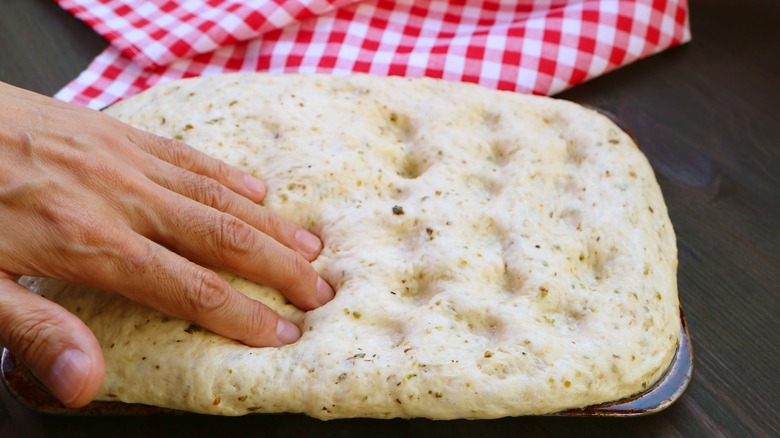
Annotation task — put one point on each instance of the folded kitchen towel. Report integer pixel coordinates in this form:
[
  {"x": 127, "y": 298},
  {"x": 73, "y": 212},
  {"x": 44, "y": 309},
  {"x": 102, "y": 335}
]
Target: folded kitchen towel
[{"x": 529, "y": 46}]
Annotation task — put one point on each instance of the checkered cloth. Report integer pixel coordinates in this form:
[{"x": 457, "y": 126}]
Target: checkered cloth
[{"x": 529, "y": 46}]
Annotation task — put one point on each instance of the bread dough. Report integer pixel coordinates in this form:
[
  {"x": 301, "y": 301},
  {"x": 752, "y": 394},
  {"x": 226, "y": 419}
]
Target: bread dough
[{"x": 493, "y": 254}]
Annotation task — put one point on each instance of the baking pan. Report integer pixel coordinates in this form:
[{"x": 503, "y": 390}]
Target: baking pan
[{"x": 28, "y": 390}]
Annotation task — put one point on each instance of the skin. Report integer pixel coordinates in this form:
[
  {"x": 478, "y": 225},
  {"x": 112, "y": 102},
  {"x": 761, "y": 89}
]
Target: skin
[{"x": 88, "y": 199}]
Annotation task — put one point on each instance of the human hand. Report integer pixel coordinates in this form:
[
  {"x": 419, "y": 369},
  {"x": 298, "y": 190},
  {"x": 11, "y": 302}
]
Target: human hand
[{"x": 88, "y": 199}]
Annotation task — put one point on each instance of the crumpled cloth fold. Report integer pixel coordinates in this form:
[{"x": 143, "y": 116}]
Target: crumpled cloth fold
[{"x": 528, "y": 46}]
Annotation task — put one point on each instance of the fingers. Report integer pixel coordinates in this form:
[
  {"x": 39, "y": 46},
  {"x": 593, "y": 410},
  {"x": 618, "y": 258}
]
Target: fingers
[
  {"x": 84, "y": 228},
  {"x": 52, "y": 342},
  {"x": 235, "y": 233},
  {"x": 245, "y": 250},
  {"x": 186, "y": 157},
  {"x": 103, "y": 174},
  {"x": 209, "y": 192},
  {"x": 219, "y": 239},
  {"x": 146, "y": 272},
  {"x": 206, "y": 180}
]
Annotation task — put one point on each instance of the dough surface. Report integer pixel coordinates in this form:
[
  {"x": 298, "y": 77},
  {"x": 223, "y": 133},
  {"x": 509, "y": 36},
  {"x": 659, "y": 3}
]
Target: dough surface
[{"x": 493, "y": 254}]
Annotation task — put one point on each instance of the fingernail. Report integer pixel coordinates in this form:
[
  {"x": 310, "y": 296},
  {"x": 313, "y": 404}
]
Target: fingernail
[
  {"x": 68, "y": 375},
  {"x": 255, "y": 185},
  {"x": 310, "y": 243},
  {"x": 324, "y": 291},
  {"x": 287, "y": 332}
]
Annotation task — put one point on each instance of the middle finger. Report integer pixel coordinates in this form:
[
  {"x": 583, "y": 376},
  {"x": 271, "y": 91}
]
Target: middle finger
[{"x": 216, "y": 238}]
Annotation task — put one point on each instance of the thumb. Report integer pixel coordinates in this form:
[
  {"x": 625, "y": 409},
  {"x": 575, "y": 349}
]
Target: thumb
[{"x": 52, "y": 342}]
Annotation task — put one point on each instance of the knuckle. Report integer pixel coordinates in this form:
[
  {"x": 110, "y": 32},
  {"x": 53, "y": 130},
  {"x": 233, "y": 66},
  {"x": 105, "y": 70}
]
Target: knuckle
[
  {"x": 75, "y": 225},
  {"x": 98, "y": 170},
  {"x": 222, "y": 170},
  {"x": 138, "y": 260},
  {"x": 93, "y": 231},
  {"x": 208, "y": 294},
  {"x": 80, "y": 244},
  {"x": 179, "y": 153},
  {"x": 234, "y": 236},
  {"x": 29, "y": 338},
  {"x": 209, "y": 192}
]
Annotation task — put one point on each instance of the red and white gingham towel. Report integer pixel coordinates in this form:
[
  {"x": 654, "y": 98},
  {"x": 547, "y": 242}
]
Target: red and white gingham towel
[{"x": 530, "y": 46}]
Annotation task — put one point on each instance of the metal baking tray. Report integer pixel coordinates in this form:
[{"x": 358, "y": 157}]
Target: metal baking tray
[{"x": 28, "y": 390}]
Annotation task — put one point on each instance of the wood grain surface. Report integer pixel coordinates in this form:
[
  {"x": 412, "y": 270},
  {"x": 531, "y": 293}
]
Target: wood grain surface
[{"x": 707, "y": 115}]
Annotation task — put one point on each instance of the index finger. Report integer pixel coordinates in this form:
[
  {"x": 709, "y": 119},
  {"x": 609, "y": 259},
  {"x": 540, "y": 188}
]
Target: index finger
[{"x": 187, "y": 157}]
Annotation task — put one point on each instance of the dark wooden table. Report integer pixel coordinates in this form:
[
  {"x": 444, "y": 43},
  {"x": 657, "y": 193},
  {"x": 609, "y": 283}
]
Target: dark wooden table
[{"x": 707, "y": 115}]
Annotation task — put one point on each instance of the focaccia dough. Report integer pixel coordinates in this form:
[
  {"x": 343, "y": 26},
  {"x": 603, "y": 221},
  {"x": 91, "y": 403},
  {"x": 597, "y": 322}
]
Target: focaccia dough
[{"x": 493, "y": 254}]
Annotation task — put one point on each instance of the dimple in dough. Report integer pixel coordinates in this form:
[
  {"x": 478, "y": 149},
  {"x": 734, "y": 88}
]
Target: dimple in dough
[{"x": 493, "y": 254}]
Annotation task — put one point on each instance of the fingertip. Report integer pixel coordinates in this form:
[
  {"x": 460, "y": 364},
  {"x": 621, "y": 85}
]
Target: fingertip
[
  {"x": 287, "y": 332},
  {"x": 76, "y": 375},
  {"x": 72, "y": 378}
]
